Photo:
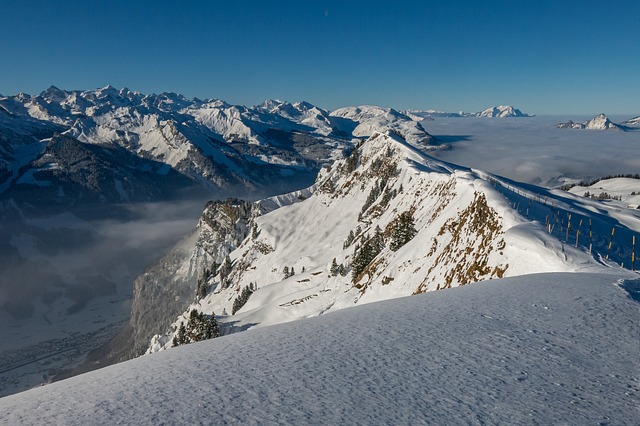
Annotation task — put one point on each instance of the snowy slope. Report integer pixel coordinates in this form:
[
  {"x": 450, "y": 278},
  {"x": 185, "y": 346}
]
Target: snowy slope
[
  {"x": 623, "y": 191},
  {"x": 470, "y": 226},
  {"x": 501, "y": 111},
  {"x": 540, "y": 349}
]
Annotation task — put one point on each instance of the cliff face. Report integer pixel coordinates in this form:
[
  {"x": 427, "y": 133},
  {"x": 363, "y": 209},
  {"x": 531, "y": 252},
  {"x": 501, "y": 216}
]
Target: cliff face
[{"x": 168, "y": 286}]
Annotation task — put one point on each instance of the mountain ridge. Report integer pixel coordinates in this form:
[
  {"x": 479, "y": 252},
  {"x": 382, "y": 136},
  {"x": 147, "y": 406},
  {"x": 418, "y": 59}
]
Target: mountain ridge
[{"x": 469, "y": 226}]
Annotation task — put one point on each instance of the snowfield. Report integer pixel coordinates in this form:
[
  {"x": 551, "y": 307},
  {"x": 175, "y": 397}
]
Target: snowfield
[{"x": 539, "y": 349}]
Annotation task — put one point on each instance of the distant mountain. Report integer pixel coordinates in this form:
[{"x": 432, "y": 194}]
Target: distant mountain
[
  {"x": 501, "y": 112},
  {"x": 498, "y": 111},
  {"x": 218, "y": 148},
  {"x": 364, "y": 121},
  {"x": 599, "y": 122},
  {"x": 429, "y": 114},
  {"x": 632, "y": 122}
]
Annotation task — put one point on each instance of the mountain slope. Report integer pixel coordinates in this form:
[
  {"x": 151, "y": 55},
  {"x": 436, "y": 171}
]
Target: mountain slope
[
  {"x": 541, "y": 349},
  {"x": 398, "y": 222}
]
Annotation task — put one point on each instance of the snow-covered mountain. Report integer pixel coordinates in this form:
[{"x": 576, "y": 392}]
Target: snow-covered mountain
[
  {"x": 635, "y": 121},
  {"x": 363, "y": 121},
  {"x": 599, "y": 122},
  {"x": 97, "y": 184},
  {"x": 502, "y": 111},
  {"x": 391, "y": 221},
  {"x": 223, "y": 149},
  {"x": 540, "y": 349},
  {"x": 621, "y": 190}
]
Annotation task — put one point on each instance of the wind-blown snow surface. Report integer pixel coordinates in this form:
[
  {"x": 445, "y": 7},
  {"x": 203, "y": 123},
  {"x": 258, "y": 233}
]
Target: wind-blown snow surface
[{"x": 539, "y": 349}]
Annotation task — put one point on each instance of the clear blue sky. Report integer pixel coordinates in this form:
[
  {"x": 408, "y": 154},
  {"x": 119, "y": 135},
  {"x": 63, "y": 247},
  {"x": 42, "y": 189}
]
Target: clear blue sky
[{"x": 545, "y": 57}]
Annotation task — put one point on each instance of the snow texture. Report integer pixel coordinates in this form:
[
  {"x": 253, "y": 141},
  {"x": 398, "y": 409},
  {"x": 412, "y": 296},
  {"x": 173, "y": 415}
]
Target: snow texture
[{"x": 540, "y": 349}]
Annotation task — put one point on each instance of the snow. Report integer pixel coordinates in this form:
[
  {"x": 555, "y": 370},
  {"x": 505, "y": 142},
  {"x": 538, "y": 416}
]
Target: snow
[
  {"x": 540, "y": 349},
  {"x": 627, "y": 189}
]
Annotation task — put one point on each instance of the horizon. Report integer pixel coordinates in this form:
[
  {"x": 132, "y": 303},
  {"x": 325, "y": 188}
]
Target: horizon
[
  {"x": 425, "y": 109},
  {"x": 545, "y": 58}
]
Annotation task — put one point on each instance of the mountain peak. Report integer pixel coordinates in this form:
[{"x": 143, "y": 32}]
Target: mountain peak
[
  {"x": 54, "y": 94},
  {"x": 501, "y": 111},
  {"x": 599, "y": 122}
]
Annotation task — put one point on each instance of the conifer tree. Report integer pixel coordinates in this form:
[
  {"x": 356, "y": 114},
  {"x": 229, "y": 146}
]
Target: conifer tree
[
  {"x": 349, "y": 240},
  {"x": 402, "y": 231},
  {"x": 242, "y": 299},
  {"x": 225, "y": 268},
  {"x": 334, "y": 268},
  {"x": 342, "y": 270},
  {"x": 201, "y": 290},
  {"x": 181, "y": 337}
]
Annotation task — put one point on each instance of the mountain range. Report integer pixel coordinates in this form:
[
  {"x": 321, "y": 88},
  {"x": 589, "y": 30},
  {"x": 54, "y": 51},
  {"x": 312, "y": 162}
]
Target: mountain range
[
  {"x": 96, "y": 184},
  {"x": 502, "y": 111},
  {"x": 364, "y": 214},
  {"x": 202, "y": 146}
]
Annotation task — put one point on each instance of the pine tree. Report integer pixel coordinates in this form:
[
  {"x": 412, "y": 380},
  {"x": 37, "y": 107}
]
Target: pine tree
[
  {"x": 402, "y": 231},
  {"x": 201, "y": 290},
  {"x": 378, "y": 239},
  {"x": 225, "y": 269},
  {"x": 212, "y": 329},
  {"x": 334, "y": 268},
  {"x": 242, "y": 299},
  {"x": 285, "y": 272},
  {"x": 349, "y": 240},
  {"x": 181, "y": 337},
  {"x": 342, "y": 270},
  {"x": 363, "y": 255}
]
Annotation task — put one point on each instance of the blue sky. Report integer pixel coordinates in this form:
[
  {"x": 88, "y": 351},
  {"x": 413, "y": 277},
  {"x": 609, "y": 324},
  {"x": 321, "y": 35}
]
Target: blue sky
[{"x": 545, "y": 57}]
